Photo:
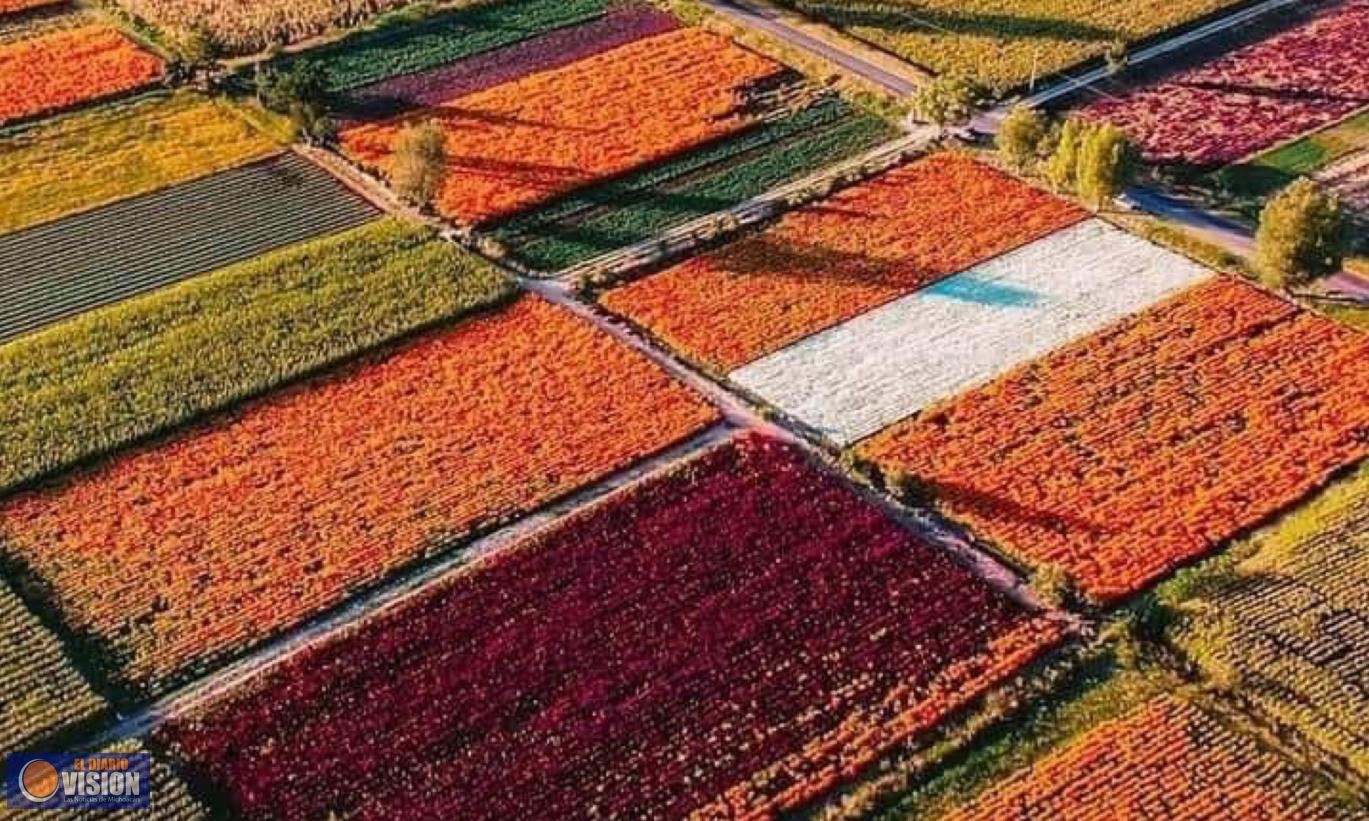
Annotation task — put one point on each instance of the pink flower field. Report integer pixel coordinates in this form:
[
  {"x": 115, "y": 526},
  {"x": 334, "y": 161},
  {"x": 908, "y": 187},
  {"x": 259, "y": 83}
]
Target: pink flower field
[{"x": 1226, "y": 109}]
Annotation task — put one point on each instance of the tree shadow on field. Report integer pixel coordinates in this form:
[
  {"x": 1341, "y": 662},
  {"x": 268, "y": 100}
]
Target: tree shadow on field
[
  {"x": 979, "y": 503},
  {"x": 773, "y": 256},
  {"x": 1290, "y": 94},
  {"x": 914, "y": 17}
]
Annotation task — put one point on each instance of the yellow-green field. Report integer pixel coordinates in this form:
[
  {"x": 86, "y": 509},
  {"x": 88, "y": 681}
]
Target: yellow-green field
[
  {"x": 91, "y": 159},
  {"x": 1003, "y": 42}
]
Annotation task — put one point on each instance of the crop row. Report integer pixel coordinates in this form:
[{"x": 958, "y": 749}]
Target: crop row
[
  {"x": 859, "y": 377},
  {"x": 40, "y": 691},
  {"x": 62, "y": 268},
  {"x": 714, "y": 178},
  {"x": 1252, "y": 98},
  {"x": 1128, "y": 453},
  {"x": 523, "y": 143},
  {"x": 1167, "y": 759},
  {"x": 55, "y": 71},
  {"x": 1283, "y": 616},
  {"x": 1005, "y": 43},
  {"x": 98, "y": 157},
  {"x": 738, "y": 634},
  {"x": 487, "y": 69},
  {"x": 110, "y": 377},
  {"x": 826, "y": 263},
  {"x": 193, "y": 548}
]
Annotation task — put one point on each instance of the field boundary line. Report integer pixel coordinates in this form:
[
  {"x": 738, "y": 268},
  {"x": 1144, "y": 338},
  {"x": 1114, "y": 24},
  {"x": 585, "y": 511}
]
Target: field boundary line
[
  {"x": 721, "y": 225},
  {"x": 354, "y": 613}
]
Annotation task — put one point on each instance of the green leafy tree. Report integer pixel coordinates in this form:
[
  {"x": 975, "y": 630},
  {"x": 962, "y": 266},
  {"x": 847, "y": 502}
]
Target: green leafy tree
[
  {"x": 419, "y": 162},
  {"x": 948, "y": 100},
  {"x": 1063, "y": 166},
  {"x": 1301, "y": 235},
  {"x": 1107, "y": 164},
  {"x": 1021, "y": 136},
  {"x": 300, "y": 91}
]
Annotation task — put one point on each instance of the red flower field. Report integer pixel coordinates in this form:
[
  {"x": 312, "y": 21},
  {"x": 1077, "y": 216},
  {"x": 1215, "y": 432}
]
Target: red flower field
[
  {"x": 733, "y": 637},
  {"x": 824, "y": 264},
  {"x": 62, "y": 69},
  {"x": 1255, "y": 97},
  {"x": 1124, "y": 455},
  {"x": 191, "y": 549},
  {"x": 1167, "y": 759}
]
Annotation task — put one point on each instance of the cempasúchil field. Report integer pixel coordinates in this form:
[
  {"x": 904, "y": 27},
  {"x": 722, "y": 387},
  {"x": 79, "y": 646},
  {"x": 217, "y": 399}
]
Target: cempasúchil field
[
  {"x": 1130, "y": 452},
  {"x": 855, "y": 379},
  {"x": 65, "y": 68},
  {"x": 170, "y": 557},
  {"x": 522, "y": 143},
  {"x": 1252, "y": 98},
  {"x": 1167, "y": 759},
  {"x": 826, "y": 263},
  {"x": 731, "y": 638}
]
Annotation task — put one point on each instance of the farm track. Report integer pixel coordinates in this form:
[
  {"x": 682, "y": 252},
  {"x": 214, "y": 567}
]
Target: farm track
[{"x": 63, "y": 268}]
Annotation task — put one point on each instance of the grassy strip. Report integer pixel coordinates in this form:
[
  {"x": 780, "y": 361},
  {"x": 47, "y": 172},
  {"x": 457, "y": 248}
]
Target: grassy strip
[
  {"x": 105, "y": 379},
  {"x": 644, "y": 205},
  {"x": 97, "y": 157},
  {"x": 1275, "y": 169},
  {"x": 379, "y": 53}
]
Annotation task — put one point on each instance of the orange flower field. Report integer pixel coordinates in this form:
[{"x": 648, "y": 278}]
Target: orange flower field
[
  {"x": 62, "y": 69},
  {"x": 1124, "y": 455},
  {"x": 186, "y": 551},
  {"x": 824, "y": 264},
  {"x": 13, "y": 6},
  {"x": 521, "y": 143},
  {"x": 1167, "y": 759}
]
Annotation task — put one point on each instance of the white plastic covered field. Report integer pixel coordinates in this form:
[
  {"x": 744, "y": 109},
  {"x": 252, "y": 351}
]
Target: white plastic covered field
[{"x": 855, "y": 379}]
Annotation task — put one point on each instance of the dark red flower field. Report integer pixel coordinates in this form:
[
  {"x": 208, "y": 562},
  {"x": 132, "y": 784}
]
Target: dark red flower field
[{"x": 734, "y": 637}]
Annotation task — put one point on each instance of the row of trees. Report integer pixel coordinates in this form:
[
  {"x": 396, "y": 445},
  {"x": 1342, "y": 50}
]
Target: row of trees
[
  {"x": 1301, "y": 234},
  {"x": 1097, "y": 161}
]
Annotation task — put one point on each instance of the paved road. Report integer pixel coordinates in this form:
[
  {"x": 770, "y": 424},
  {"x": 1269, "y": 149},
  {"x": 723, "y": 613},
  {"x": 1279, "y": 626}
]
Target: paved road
[
  {"x": 987, "y": 122},
  {"x": 1231, "y": 235},
  {"x": 771, "y": 21}
]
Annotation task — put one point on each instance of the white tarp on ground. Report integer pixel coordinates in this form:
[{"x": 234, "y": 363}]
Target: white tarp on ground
[{"x": 854, "y": 380}]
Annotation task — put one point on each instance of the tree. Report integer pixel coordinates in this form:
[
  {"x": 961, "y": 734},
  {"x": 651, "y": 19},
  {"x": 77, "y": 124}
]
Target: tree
[
  {"x": 1021, "y": 136},
  {"x": 947, "y": 100},
  {"x": 300, "y": 91},
  {"x": 419, "y": 163},
  {"x": 1107, "y": 164},
  {"x": 1301, "y": 235},
  {"x": 1115, "y": 58},
  {"x": 1063, "y": 166}
]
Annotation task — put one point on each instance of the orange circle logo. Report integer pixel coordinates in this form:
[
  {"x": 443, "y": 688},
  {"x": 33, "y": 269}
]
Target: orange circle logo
[{"x": 38, "y": 781}]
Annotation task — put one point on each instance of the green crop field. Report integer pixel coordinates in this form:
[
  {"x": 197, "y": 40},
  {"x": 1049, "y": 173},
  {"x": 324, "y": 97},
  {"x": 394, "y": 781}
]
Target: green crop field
[
  {"x": 97, "y": 382},
  {"x": 633, "y": 209}
]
